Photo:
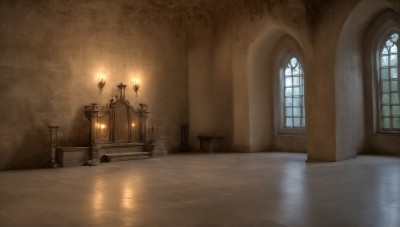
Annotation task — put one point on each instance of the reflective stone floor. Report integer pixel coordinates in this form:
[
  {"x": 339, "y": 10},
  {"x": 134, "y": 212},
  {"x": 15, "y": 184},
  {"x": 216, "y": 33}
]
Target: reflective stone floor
[{"x": 230, "y": 189}]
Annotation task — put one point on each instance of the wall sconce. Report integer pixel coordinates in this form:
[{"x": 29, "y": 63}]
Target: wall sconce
[
  {"x": 136, "y": 86},
  {"x": 102, "y": 82}
]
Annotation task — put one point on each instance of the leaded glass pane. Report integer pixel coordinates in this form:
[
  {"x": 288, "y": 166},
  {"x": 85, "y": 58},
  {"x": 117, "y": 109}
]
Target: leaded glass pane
[
  {"x": 396, "y": 123},
  {"x": 386, "y": 111},
  {"x": 296, "y": 91},
  {"x": 389, "y": 84},
  {"x": 296, "y": 71},
  {"x": 294, "y": 98},
  {"x": 288, "y": 102},
  {"x": 296, "y": 102},
  {"x": 396, "y": 111},
  {"x": 394, "y": 37},
  {"x": 393, "y": 49},
  {"x": 395, "y": 98},
  {"x": 393, "y": 73},
  {"x": 296, "y": 80},
  {"x": 384, "y": 74},
  {"x": 288, "y": 92},
  {"x": 288, "y": 71},
  {"x": 394, "y": 86},
  {"x": 296, "y": 112},
  {"x": 385, "y": 61},
  {"x": 296, "y": 122},
  {"x": 288, "y": 82},
  {"x": 385, "y": 86},
  {"x": 293, "y": 62},
  {"x": 386, "y": 122},
  {"x": 385, "y": 99},
  {"x": 289, "y": 122},
  {"x": 393, "y": 60},
  {"x": 289, "y": 112}
]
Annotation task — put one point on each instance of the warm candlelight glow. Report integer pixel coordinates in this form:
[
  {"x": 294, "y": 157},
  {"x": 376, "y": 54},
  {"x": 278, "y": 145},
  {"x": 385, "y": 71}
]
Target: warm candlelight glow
[
  {"x": 136, "y": 81},
  {"x": 102, "y": 79},
  {"x": 101, "y": 76},
  {"x": 136, "y": 85},
  {"x": 133, "y": 125}
]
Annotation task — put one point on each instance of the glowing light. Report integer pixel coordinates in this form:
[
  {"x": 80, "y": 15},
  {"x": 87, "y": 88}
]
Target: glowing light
[
  {"x": 127, "y": 196},
  {"x": 101, "y": 76},
  {"x": 98, "y": 198},
  {"x": 136, "y": 85}
]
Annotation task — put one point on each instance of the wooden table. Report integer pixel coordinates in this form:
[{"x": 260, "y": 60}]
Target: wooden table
[{"x": 208, "y": 138}]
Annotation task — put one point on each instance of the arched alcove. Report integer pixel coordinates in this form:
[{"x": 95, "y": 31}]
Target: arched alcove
[
  {"x": 263, "y": 58},
  {"x": 349, "y": 80},
  {"x": 382, "y": 25}
]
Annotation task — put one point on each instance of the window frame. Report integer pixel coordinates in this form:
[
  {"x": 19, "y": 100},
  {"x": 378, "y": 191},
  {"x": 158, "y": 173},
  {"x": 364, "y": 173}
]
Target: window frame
[
  {"x": 285, "y": 48},
  {"x": 283, "y": 97},
  {"x": 381, "y": 42},
  {"x": 280, "y": 116}
]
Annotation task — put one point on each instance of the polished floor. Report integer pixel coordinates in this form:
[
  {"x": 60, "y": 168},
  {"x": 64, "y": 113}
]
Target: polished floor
[{"x": 230, "y": 189}]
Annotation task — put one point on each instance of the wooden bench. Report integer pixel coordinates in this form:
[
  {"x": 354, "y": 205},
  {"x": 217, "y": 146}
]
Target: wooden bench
[{"x": 210, "y": 138}]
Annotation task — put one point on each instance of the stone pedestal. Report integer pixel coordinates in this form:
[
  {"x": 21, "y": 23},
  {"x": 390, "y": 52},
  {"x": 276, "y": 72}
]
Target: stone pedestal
[{"x": 161, "y": 146}]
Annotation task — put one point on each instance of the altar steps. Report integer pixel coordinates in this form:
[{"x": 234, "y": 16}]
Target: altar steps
[
  {"x": 125, "y": 156},
  {"x": 123, "y": 151}
]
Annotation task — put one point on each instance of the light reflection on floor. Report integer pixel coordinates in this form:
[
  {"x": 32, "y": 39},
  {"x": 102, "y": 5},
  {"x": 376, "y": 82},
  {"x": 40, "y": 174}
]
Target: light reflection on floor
[
  {"x": 122, "y": 201},
  {"x": 260, "y": 189}
]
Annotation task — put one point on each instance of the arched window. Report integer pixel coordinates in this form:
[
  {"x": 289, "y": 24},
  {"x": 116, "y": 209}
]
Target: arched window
[
  {"x": 388, "y": 77},
  {"x": 292, "y": 82}
]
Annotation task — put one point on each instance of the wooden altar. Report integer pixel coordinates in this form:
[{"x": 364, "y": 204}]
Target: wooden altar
[{"x": 118, "y": 130}]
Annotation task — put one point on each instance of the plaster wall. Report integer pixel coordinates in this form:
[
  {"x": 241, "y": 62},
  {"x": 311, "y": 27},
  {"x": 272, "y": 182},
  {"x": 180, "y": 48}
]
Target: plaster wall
[
  {"x": 50, "y": 55},
  {"x": 241, "y": 95},
  {"x": 321, "y": 88},
  {"x": 261, "y": 87},
  {"x": 350, "y": 114},
  {"x": 210, "y": 85}
]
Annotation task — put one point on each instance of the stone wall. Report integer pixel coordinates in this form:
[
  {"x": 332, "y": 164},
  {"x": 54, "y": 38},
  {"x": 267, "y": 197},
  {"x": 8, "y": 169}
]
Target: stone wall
[{"x": 51, "y": 53}]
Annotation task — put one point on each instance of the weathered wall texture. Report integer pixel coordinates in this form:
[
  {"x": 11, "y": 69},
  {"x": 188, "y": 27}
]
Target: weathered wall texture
[
  {"x": 210, "y": 87},
  {"x": 349, "y": 80},
  {"x": 51, "y": 53},
  {"x": 329, "y": 36}
]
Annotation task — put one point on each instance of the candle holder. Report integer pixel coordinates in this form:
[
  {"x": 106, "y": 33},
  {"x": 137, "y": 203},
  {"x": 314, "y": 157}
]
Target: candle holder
[
  {"x": 136, "y": 87},
  {"x": 101, "y": 83}
]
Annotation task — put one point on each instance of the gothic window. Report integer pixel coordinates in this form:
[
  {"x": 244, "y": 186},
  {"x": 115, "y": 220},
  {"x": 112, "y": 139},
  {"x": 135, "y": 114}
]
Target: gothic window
[
  {"x": 292, "y": 83},
  {"x": 389, "y": 91}
]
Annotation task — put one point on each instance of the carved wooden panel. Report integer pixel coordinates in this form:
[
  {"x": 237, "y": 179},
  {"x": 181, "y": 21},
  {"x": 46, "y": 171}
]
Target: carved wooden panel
[
  {"x": 121, "y": 122},
  {"x": 118, "y": 121},
  {"x": 103, "y": 128}
]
